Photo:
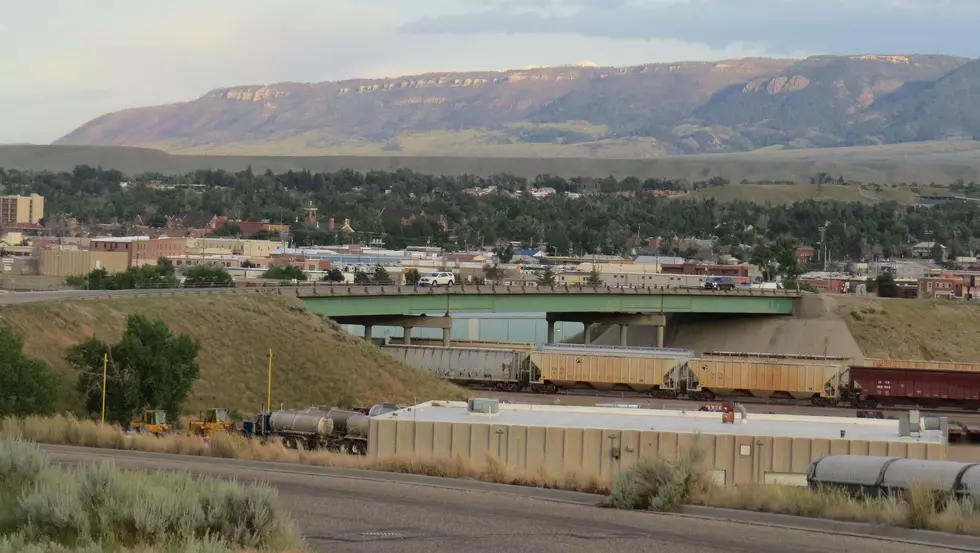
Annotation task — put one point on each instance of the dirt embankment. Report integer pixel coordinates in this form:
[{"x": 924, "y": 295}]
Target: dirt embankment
[
  {"x": 848, "y": 326},
  {"x": 314, "y": 360},
  {"x": 914, "y": 329},
  {"x": 815, "y": 329}
]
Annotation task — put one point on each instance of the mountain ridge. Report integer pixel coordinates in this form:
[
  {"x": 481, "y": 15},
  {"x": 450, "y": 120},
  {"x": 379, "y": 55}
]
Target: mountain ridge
[{"x": 648, "y": 110}]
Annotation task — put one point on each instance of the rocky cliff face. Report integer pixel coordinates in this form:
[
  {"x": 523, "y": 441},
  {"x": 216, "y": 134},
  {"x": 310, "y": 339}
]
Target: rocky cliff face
[{"x": 689, "y": 107}]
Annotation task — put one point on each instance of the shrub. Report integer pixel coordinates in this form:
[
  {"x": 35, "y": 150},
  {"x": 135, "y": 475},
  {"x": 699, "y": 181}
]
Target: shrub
[
  {"x": 100, "y": 504},
  {"x": 658, "y": 485}
]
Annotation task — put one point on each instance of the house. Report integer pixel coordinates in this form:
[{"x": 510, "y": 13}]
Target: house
[
  {"x": 197, "y": 220},
  {"x": 941, "y": 287},
  {"x": 924, "y": 250},
  {"x": 804, "y": 254},
  {"x": 392, "y": 216}
]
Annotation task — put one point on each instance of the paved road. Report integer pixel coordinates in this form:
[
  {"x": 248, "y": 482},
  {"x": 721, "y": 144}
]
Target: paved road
[
  {"x": 340, "y": 512},
  {"x": 12, "y": 298}
]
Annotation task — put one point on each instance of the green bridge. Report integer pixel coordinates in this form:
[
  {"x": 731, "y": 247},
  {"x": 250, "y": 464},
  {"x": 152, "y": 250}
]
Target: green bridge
[{"x": 409, "y": 307}]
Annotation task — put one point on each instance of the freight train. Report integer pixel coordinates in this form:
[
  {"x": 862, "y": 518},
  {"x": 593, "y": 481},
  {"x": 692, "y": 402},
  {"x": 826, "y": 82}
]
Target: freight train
[
  {"x": 317, "y": 427},
  {"x": 680, "y": 374}
]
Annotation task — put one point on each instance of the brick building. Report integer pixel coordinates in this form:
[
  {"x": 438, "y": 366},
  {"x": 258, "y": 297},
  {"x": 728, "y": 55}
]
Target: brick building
[{"x": 141, "y": 250}]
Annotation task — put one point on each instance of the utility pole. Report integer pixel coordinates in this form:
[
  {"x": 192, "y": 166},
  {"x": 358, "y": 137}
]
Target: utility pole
[{"x": 823, "y": 243}]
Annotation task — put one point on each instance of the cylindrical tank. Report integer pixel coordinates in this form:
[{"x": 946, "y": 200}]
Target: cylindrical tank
[
  {"x": 382, "y": 408},
  {"x": 301, "y": 423},
  {"x": 358, "y": 425},
  {"x": 339, "y": 418}
]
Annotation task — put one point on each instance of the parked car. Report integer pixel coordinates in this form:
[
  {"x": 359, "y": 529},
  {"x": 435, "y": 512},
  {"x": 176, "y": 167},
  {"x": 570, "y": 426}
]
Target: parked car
[
  {"x": 719, "y": 283},
  {"x": 438, "y": 279}
]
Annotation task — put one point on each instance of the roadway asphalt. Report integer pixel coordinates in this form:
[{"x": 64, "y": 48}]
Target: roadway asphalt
[
  {"x": 357, "y": 511},
  {"x": 12, "y": 298}
]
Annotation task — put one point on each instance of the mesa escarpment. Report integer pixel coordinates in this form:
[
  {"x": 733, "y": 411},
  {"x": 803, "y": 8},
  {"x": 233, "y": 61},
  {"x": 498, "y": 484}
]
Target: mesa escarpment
[{"x": 640, "y": 111}]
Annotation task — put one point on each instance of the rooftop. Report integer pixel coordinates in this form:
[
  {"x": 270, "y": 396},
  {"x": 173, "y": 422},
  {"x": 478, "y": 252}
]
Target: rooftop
[{"x": 625, "y": 418}]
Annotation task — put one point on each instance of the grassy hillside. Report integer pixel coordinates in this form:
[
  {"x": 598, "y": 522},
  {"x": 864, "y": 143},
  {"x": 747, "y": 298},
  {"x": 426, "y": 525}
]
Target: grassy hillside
[
  {"x": 914, "y": 329},
  {"x": 876, "y": 165},
  {"x": 789, "y": 193},
  {"x": 314, "y": 360}
]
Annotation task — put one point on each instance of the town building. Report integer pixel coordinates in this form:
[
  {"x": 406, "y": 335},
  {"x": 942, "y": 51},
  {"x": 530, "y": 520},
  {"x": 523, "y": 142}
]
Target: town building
[
  {"x": 943, "y": 287},
  {"x": 20, "y": 210},
  {"x": 234, "y": 246},
  {"x": 141, "y": 250},
  {"x": 603, "y": 441},
  {"x": 65, "y": 261},
  {"x": 925, "y": 250}
]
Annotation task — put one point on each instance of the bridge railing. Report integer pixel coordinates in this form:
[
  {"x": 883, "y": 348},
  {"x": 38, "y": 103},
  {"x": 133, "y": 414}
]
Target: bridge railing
[{"x": 320, "y": 289}]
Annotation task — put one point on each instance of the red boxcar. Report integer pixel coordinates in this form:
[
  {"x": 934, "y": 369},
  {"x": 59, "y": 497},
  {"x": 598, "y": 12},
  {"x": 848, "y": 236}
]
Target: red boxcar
[{"x": 926, "y": 388}]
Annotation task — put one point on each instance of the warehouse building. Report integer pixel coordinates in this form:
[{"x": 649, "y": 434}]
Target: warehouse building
[{"x": 602, "y": 441}]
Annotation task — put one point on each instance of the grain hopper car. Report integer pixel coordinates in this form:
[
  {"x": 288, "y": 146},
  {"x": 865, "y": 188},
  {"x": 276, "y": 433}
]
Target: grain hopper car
[
  {"x": 474, "y": 367},
  {"x": 660, "y": 372}
]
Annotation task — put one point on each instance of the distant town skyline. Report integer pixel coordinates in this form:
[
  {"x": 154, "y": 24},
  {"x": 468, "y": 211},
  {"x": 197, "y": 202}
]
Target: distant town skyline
[{"x": 68, "y": 62}]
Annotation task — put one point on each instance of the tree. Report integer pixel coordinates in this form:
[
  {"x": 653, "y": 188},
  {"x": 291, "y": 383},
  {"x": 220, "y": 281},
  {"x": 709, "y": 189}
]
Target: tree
[
  {"x": 504, "y": 254},
  {"x": 149, "y": 368},
  {"x": 493, "y": 273},
  {"x": 594, "y": 279},
  {"x": 228, "y": 229},
  {"x": 27, "y": 387},
  {"x": 885, "y": 285},
  {"x": 333, "y": 275},
  {"x": 361, "y": 277},
  {"x": 412, "y": 277},
  {"x": 284, "y": 272},
  {"x": 207, "y": 275},
  {"x": 248, "y": 265},
  {"x": 546, "y": 277},
  {"x": 381, "y": 276},
  {"x": 165, "y": 267}
]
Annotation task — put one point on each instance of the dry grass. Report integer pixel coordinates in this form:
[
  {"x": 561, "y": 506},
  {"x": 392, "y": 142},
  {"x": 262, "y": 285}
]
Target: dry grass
[
  {"x": 652, "y": 484},
  {"x": 314, "y": 360},
  {"x": 66, "y": 430},
  {"x": 100, "y": 507},
  {"x": 657, "y": 485},
  {"x": 913, "y": 329}
]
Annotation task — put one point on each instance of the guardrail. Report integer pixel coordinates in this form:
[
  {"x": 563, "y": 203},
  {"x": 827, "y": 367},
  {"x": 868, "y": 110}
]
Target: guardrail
[
  {"x": 328, "y": 290},
  {"x": 324, "y": 290}
]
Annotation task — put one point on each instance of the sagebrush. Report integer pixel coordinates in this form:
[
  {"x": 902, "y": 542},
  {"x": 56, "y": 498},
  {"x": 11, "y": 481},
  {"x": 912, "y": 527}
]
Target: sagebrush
[{"x": 47, "y": 508}]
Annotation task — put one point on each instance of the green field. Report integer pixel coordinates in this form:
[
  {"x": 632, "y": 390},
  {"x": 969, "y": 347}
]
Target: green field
[
  {"x": 754, "y": 167},
  {"x": 784, "y": 194}
]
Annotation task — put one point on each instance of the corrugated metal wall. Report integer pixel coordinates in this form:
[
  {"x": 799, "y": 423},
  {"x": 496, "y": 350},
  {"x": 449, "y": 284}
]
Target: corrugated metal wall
[{"x": 560, "y": 451}]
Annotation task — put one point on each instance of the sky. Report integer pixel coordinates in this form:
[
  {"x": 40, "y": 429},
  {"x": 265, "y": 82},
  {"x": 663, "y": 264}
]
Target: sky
[{"x": 65, "y": 62}]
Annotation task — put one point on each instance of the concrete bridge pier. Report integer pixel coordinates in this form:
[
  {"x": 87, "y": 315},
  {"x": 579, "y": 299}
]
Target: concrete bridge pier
[
  {"x": 623, "y": 320},
  {"x": 406, "y": 322}
]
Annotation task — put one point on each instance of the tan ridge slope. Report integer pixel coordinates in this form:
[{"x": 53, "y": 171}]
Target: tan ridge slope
[
  {"x": 914, "y": 329},
  {"x": 314, "y": 360}
]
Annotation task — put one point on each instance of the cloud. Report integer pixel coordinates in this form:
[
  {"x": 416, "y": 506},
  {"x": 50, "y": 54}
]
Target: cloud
[
  {"x": 832, "y": 26},
  {"x": 72, "y": 61}
]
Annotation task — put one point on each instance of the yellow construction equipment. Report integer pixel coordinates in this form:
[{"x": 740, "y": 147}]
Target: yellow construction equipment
[
  {"x": 154, "y": 421},
  {"x": 211, "y": 421}
]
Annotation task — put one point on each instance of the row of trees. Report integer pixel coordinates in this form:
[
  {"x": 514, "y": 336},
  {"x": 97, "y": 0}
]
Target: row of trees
[
  {"x": 150, "y": 367},
  {"x": 603, "y": 222},
  {"x": 161, "y": 275}
]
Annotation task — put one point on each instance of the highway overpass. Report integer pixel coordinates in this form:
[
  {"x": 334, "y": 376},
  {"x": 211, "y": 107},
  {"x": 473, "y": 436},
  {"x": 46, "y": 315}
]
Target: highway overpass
[{"x": 410, "y": 307}]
